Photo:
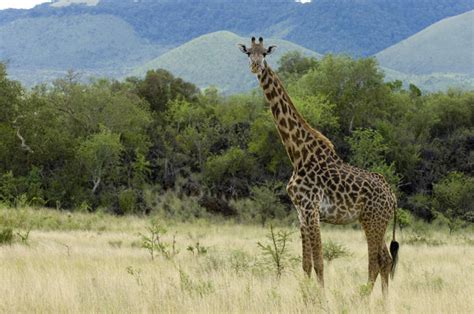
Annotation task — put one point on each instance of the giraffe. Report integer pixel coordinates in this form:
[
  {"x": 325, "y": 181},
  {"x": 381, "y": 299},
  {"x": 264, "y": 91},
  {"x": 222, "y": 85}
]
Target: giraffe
[{"x": 322, "y": 187}]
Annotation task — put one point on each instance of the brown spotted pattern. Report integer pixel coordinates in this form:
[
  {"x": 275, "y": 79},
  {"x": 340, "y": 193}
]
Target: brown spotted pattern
[{"x": 323, "y": 187}]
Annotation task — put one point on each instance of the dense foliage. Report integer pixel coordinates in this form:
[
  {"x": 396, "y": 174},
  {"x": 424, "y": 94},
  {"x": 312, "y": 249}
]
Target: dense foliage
[{"x": 133, "y": 145}]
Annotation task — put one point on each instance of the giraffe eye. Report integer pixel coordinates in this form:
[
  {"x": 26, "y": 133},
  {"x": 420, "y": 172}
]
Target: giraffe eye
[
  {"x": 248, "y": 54},
  {"x": 264, "y": 54}
]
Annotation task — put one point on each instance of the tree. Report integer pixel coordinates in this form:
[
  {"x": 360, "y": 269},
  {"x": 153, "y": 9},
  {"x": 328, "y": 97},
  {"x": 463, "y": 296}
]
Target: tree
[
  {"x": 355, "y": 86},
  {"x": 368, "y": 152},
  {"x": 267, "y": 203},
  {"x": 453, "y": 196},
  {"x": 231, "y": 173},
  {"x": 294, "y": 65},
  {"x": 99, "y": 154},
  {"x": 160, "y": 86}
]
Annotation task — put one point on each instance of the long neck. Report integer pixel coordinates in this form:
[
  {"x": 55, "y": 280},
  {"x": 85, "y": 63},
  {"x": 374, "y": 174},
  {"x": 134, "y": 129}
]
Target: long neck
[{"x": 302, "y": 143}]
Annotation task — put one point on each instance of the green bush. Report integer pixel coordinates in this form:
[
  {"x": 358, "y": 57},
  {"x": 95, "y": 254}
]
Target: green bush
[
  {"x": 6, "y": 236},
  {"x": 453, "y": 197},
  {"x": 266, "y": 203},
  {"x": 127, "y": 201},
  {"x": 333, "y": 250},
  {"x": 184, "y": 208}
]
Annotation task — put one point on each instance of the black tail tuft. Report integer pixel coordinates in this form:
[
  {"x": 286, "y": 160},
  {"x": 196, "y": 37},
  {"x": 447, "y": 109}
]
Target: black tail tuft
[{"x": 394, "y": 253}]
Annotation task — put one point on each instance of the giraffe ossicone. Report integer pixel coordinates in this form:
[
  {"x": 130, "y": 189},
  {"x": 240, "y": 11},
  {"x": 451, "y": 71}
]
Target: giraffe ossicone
[{"x": 323, "y": 187}]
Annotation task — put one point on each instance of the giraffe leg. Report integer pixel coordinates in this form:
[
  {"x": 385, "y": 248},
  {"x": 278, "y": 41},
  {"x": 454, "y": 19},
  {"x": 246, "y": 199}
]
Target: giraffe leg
[
  {"x": 385, "y": 267},
  {"x": 307, "y": 254},
  {"x": 316, "y": 246},
  {"x": 374, "y": 233}
]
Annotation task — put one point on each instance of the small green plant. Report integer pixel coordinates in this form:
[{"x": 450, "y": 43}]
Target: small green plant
[
  {"x": 135, "y": 273},
  {"x": 6, "y": 236},
  {"x": 365, "y": 290},
  {"x": 276, "y": 252},
  {"x": 200, "y": 288},
  {"x": 240, "y": 261},
  {"x": 24, "y": 237},
  {"x": 153, "y": 242},
  {"x": 22, "y": 201},
  {"x": 197, "y": 249},
  {"x": 333, "y": 250}
]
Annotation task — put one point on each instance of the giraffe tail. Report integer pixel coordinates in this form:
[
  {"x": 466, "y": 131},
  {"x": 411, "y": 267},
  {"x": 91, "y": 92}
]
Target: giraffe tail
[{"x": 394, "y": 247}]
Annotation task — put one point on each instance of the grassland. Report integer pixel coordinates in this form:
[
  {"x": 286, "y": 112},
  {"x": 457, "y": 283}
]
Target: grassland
[{"x": 95, "y": 263}]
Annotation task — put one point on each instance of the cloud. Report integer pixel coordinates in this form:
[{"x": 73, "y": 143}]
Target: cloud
[{"x": 20, "y": 4}]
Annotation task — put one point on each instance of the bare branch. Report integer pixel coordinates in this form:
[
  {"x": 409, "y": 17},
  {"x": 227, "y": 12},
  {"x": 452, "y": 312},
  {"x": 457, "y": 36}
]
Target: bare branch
[
  {"x": 96, "y": 185},
  {"x": 23, "y": 142}
]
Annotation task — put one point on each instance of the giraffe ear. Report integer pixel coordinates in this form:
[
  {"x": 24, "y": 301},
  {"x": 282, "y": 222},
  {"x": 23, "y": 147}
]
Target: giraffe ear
[
  {"x": 270, "y": 49},
  {"x": 243, "y": 48}
]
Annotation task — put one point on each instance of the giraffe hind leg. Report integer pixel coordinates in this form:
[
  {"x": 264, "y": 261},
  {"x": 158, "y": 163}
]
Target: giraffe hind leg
[
  {"x": 377, "y": 250},
  {"x": 385, "y": 262}
]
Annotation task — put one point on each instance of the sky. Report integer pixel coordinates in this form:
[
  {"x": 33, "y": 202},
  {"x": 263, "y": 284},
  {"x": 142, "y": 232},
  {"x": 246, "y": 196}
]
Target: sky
[{"x": 20, "y": 4}]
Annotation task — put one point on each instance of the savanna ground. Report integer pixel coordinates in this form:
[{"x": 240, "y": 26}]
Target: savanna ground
[{"x": 96, "y": 263}]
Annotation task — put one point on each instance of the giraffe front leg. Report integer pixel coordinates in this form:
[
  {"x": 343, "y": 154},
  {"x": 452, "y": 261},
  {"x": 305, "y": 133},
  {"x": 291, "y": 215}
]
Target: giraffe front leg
[
  {"x": 316, "y": 245},
  {"x": 307, "y": 250}
]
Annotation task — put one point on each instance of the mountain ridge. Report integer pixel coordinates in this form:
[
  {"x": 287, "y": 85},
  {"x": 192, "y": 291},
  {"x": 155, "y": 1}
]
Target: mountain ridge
[
  {"x": 215, "y": 60},
  {"x": 444, "y": 47},
  {"x": 359, "y": 28}
]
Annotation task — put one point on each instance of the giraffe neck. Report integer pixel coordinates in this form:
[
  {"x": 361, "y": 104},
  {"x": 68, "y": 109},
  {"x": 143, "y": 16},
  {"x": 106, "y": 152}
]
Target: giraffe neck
[{"x": 302, "y": 143}]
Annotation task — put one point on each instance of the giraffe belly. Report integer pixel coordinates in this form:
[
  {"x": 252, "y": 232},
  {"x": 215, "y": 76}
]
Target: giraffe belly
[{"x": 333, "y": 214}]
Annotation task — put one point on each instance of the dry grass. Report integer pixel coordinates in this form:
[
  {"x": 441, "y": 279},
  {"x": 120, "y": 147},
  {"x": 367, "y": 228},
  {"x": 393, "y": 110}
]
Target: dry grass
[{"x": 105, "y": 271}]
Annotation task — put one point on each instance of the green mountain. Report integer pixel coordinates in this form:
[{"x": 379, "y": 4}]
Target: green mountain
[
  {"x": 37, "y": 49},
  {"x": 445, "y": 48},
  {"x": 359, "y": 28},
  {"x": 214, "y": 59}
]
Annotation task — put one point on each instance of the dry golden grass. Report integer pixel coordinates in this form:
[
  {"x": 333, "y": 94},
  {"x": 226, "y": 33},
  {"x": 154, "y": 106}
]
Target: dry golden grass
[{"x": 105, "y": 271}]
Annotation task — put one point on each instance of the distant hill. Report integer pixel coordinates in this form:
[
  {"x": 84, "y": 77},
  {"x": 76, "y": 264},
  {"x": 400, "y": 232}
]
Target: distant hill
[
  {"x": 95, "y": 44},
  {"x": 214, "y": 59},
  {"x": 113, "y": 38},
  {"x": 432, "y": 82},
  {"x": 360, "y": 28},
  {"x": 444, "y": 47}
]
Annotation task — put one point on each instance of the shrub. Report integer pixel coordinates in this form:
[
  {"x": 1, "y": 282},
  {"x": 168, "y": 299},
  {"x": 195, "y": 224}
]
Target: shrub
[
  {"x": 127, "y": 201},
  {"x": 404, "y": 218},
  {"x": 183, "y": 208},
  {"x": 276, "y": 252},
  {"x": 266, "y": 203},
  {"x": 195, "y": 287},
  {"x": 6, "y": 236},
  {"x": 153, "y": 242},
  {"x": 333, "y": 250},
  {"x": 240, "y": 261},
  {"x": 454, "y": 198}
]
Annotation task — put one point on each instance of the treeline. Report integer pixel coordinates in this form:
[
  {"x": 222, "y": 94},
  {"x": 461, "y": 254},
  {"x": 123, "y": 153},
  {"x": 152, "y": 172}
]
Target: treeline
[{"x": 139, "y": 144}]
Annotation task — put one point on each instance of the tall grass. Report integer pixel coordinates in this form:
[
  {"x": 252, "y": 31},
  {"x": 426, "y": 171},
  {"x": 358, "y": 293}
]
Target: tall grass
[{"x": 86, "y": 270}]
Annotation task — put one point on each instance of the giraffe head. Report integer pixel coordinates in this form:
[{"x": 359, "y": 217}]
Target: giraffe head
[{"x": 257, "y": 53}]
